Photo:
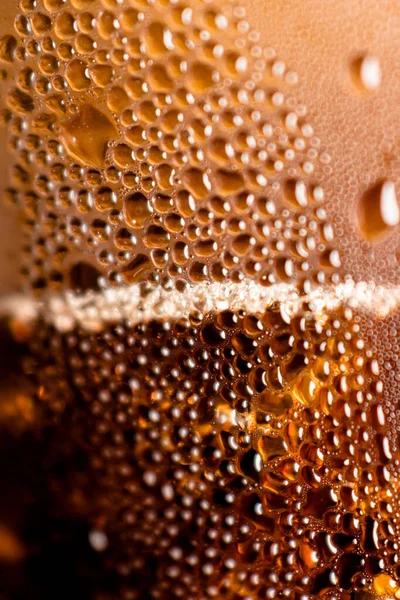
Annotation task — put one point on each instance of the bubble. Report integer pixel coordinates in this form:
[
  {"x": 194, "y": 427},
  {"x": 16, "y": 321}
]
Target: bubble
[
  {"x": 228, "y": 182},
  {"x": 83, "y": 277},
  {"x": 159, "y": 79},
  {"x": 53, "y": 5},
  {"x": 48, "y": 64},
  {"x": 137, "y": 269},
  {"x": 197, "y": 183},
  {"x": 201, "y": 78},
  {"x": 76, "y": 75},
  {"x": 64, "y": 26},
  {"x": 84, "y": 44},
  {"x": 8, "y": 44},
  {"x": 156, "y": 237},
  {"x": 41, "y": 24},
  {"x": 123, "y": 156},
  {"x": 105, "y": 199},
  {"x": 87, "y": 135},
  {"x": 137, "y": 210},
  {"x": 21, "y": 102},
  {"x": 101, "y": 75},
  {"x": 157, "y": 39},
  {"x": 129, "y": 19},
  {"x": 106, "y": 24},
  {"x": 81, "y": 4},
  {"x": 117, "y": 99}
]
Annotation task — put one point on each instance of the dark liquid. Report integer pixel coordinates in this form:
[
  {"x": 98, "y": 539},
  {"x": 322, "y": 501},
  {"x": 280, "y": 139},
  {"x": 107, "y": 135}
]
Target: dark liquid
[{"x": 230, "y": 456}]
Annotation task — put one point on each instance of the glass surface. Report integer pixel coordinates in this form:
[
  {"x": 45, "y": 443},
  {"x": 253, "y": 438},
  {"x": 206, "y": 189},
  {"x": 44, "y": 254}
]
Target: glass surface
[{"x": 199, "y": 288}]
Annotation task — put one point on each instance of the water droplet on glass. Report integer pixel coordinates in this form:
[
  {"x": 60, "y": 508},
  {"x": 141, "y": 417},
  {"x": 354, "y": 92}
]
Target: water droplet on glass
[
  {"x": 378, "y": 210},
  {"x": 366, "y": 73}
]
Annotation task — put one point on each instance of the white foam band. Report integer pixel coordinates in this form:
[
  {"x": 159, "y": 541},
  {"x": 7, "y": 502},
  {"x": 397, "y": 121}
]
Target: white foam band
[{"x": 94, "y": 310}]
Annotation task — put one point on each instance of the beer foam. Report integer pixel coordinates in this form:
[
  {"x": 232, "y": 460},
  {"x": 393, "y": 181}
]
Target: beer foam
[{"x": 94, "y": 309}]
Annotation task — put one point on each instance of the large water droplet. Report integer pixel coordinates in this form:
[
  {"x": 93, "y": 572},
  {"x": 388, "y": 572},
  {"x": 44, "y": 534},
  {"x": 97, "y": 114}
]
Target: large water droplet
[{"x": 378, "y": 210}]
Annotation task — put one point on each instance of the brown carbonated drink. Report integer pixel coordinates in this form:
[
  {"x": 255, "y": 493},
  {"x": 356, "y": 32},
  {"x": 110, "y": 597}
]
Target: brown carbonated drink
[{"x": 200, "y": 355}]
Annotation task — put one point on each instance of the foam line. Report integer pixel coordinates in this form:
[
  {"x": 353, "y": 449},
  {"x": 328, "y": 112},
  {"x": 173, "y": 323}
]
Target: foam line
[{"x": 93, "y": 310}]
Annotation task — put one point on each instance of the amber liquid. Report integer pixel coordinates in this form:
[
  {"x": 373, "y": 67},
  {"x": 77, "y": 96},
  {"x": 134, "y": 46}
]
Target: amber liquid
[
  {"x": 237, "y": 454},
  {"x": 180, "y": 426}
]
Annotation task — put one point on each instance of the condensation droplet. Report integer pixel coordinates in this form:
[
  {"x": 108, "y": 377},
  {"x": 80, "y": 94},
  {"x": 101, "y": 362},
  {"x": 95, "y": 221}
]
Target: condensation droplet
[
  {"x": 366, "y": 73},
  {"x": 378, "y": 210},
  {"x": 370, "y": 73}
]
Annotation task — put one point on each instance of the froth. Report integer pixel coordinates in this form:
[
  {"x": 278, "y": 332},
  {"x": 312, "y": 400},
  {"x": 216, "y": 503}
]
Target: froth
[{"x": 93, "y": 310}]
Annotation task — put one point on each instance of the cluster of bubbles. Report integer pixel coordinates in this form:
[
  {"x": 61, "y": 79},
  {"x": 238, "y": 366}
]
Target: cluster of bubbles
[
  {"x": 160, "y": 142},
  {"x": 236, "y": 456}
]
